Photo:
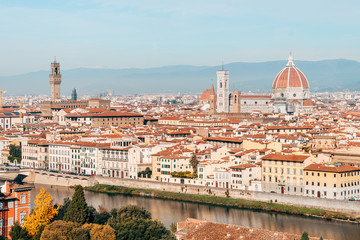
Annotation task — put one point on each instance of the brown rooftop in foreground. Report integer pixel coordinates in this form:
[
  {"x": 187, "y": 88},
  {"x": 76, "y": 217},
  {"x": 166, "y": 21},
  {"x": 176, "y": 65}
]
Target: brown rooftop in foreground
[{"x": 195, "y": 229}]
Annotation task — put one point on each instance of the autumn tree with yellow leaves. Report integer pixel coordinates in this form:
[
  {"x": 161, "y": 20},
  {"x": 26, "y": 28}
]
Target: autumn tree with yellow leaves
[{"x": 42, "y": 215}]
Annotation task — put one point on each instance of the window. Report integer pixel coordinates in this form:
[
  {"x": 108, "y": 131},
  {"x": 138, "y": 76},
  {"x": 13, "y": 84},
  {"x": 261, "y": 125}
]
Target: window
[
  {"x": 11, "y": 221},
  {"x": 11, "y": 204},
  {"x": 22, "y": 217},
  {"x": 23, "y": 198}
]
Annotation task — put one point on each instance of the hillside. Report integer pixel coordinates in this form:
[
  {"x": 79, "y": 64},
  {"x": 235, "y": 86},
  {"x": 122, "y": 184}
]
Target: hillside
[{"x": 326, "y": 75}]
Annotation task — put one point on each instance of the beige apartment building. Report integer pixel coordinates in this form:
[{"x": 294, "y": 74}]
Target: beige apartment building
[
  {"x": 284, "y": 173},
  {"x": 35, "y": 154},
  {"x": 334, "y": 181}
]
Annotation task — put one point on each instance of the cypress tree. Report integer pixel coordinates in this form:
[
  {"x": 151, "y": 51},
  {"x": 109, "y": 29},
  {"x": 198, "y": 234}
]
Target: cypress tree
[
  {"x": 77, "y": 210},
  {"x": 305, "y": 236}
]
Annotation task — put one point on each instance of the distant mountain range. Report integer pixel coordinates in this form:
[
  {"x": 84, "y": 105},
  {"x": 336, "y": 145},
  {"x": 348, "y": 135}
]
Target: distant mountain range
[{"x": 326, "y": 75}]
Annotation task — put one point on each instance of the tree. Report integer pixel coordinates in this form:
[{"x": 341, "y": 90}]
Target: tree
[
  {"x": 194, "y": 163},
  {"x": 78, "y": 210},
  {"x": 100, "y": 232},
  {"x": 101, "y": 217},
  {"x": 59, "y": 230},
  {"x": 42, "y": 215},
  {"x": 133, "y": 222},
  {"x": 14, "y": 153},
  {"x": 17, "y": 232},
  {"x": 146, "y": 173},
  {"x": 304, "y": 236},
  {"x": 173, "y": 227},
  {"x": 62, "y": 209}
]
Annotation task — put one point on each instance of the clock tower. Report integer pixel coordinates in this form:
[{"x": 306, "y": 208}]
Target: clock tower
[{"x": 55, "y": 80}]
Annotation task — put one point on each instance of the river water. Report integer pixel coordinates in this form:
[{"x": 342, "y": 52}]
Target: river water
[{"x": 169, "y": 211}]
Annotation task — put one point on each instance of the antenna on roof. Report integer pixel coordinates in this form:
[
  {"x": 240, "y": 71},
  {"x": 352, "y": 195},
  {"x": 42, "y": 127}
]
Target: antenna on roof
[
  {"x": 222, "y": 65},
  {"x": 54, "y": 59}
]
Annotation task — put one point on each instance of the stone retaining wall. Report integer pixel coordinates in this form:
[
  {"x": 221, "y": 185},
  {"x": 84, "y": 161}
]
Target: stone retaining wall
[{"x": 350, "y": 207}]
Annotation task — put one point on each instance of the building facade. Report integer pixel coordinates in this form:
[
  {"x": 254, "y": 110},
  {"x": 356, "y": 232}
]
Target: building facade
[{"x": 333, "y": 181}]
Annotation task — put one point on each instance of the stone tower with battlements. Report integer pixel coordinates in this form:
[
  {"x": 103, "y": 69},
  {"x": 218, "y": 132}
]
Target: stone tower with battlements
[{"x": 55, "y": 81}]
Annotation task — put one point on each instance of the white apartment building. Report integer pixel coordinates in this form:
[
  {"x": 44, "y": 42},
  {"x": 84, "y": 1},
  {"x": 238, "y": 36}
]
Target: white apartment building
[
  {"x": 75, "y": 159},
  {"x": 4, "y": 142},
  {"x": 241, "y": 176},
  {"x": 35, "y": 154},
  {"x": 89, "y": 158},
  {"x": 60, "y": 157},
  {"x": 8, "y": 120},
  {"x": 222, "y": 177},
  {"x": 114, "y": 162}
]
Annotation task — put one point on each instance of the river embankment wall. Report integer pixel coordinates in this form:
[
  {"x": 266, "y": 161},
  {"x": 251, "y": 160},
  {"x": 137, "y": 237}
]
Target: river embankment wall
[
  {"x": 38, "y": 177},
  {"x": 349, "y": 207}
]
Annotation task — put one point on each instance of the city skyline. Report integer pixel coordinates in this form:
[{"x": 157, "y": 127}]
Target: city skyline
[{"x": 108, "y": 34}]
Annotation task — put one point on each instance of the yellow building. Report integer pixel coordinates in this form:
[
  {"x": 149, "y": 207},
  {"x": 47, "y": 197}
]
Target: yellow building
[
  {"x": 284, "y": 173},
  {"x": 334, "y": 181}
]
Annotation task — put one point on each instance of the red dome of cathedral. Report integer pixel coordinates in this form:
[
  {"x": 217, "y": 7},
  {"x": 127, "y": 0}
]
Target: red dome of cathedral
[{"x": 290, "y": 77}]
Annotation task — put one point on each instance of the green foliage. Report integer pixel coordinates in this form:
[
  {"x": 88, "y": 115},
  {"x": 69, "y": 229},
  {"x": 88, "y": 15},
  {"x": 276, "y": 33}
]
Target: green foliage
[
  {"x": 78, "y": 210},
  {"x": 173, "y": 227},
  {"x": 146, "y": 173},
  {"x": 132, "y": 223},
  {"x": 17, "y": 232},
  {"x": 186, "y": 174},
  {"x": 100, "y": 232},
  {"x": 14, "y": 153},
  {"x": 321, "y": 238},
  {"x": 62, "y": 209},
  {"x": 101, "y": 217},
  {"x": 59, "y": 230},
  {"x": 194, "y": 163},
  {"x": 304, "y": 236}
]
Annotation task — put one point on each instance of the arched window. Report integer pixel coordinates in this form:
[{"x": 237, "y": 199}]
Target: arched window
[
  {"x": 235, "y": 99},
  {"x": 220, "y": 84}
]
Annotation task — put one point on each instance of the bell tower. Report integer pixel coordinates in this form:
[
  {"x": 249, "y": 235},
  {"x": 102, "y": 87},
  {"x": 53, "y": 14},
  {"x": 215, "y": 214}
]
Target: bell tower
[{"x": 55, "y": 80}]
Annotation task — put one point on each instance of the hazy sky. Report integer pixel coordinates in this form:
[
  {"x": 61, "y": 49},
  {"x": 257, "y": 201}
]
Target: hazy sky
[{"x": 151, "y": 33}]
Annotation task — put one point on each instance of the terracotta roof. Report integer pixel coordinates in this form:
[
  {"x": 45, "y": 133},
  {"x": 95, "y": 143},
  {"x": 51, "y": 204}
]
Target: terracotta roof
[
  {"x": 205, "y": 96},
  {"x": 243, "y": 166},
  {"x": 330, "y": 168},
  {"x": 223, "y": 139},
  {"x": 289, "y": 158},
  {"x": 309, "y": 103}
]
